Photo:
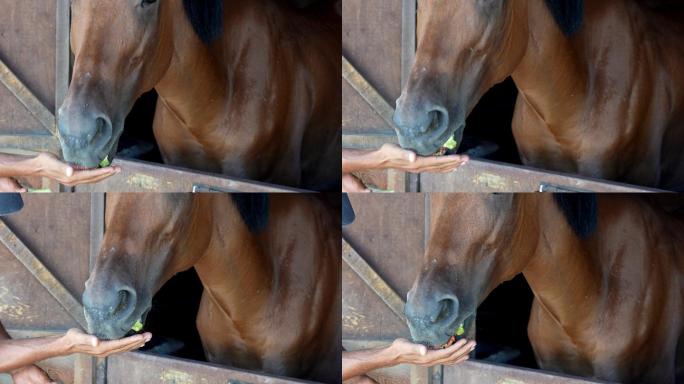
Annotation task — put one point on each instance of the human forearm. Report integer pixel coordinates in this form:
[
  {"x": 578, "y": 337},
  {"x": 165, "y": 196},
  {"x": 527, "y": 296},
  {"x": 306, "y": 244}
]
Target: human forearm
[
  {"x": 17, "y": 166},
  {"x": 355, "y": 160},
  {"x": 358, "y": 363},
  {"x": 15, "y": 354}
]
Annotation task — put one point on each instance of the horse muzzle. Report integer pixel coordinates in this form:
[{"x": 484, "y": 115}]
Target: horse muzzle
[
  {"x": 110, "y": 312},
  {"x": 425, "y": 129},
  {"x": 433, "y": 317},
  {"x": 86, "y": 137}
]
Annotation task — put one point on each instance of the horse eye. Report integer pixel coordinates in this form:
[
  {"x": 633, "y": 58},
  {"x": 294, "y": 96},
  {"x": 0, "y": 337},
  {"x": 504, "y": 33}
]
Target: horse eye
[{"x": 145, "y": 3}]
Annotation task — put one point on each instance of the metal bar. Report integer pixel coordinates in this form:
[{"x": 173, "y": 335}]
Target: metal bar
[
  {"x": 367, "y": 92},
  {"x": 141, "y": 176},
  {"x": 97, "y": 225},
  {"x": 147, "y": 368},
  {"x": 42, "y": 274},
  {"x": 62, "y": 52},
  {"x": 28, "y": 99},
  {"x": 408, "y": 38},
  {"x": 373, "y": 280},
  {"x": 408, "y": 54}
]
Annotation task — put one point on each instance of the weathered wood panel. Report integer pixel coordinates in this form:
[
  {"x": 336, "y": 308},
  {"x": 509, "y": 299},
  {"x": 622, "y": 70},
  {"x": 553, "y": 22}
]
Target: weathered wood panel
[
  {"x": 371, "y": 40},
  {"x": 57, "y": 229},
  {"x": 394, "y": 254},
  {"x": 27, "y": 46}
]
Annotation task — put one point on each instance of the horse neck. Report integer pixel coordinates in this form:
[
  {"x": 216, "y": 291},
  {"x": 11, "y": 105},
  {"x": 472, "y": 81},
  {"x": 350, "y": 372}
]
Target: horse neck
[
  {"x": 564, "y": 277},
  {"x": 202, "y": 79},
  {"x": 234, "y": 270},
  {"x": 551, "y": 77}
]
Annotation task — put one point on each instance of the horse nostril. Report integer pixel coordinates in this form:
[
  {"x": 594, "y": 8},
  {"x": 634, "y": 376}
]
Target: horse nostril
[
  {"x": 124, "y": 299},
  {"x": 102, "y": 133},
  {"x": 437, "y": 122},
  {"x": 447, "y": 311}
]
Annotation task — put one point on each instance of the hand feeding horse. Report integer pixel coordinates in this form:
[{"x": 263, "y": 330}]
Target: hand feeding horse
[
  {"x": 247, "y": 88},
  {"x": 607, "y": 275},
  {"x": 601, "y": 86},
  {"x": 270, "y": 268}
]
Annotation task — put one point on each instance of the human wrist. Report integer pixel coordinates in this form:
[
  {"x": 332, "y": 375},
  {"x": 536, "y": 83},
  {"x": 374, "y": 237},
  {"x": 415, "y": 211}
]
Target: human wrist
[
  {"x": 392, "y": 355},
  {"x": 62, "y": 345}
]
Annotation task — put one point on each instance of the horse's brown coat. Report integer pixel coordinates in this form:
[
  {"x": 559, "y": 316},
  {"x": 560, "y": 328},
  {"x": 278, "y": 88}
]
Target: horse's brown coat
[
  {"x": 607, "y": 102},
  {"x": 610, "y": 306},
  {"x": 261, "y": 102},
  {"x": 271, "y": 299}
]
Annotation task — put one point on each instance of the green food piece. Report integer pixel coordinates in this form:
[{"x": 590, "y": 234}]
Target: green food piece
[
  {"x": 138, "y": 326},
  {"x": 105, "y": 162},
  {"x": 451, "y": 143},
  {"x": 460, "y": 330}
]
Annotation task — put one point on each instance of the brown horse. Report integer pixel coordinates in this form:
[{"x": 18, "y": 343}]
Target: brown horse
[
  {"x": 607, "y": 275},
  {"x": 247, "y": 88},
  {"x": 601, "y": 85},
  {"x": 270, "y": 267}
]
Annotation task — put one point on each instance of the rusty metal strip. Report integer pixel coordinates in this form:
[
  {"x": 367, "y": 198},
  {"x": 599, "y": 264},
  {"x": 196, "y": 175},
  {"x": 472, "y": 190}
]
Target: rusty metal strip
[
  {"x": 373, "y": 280},
  {"x": 29, "y": 260},
  {"x": 367, "y": 92},
  {"x": 28, "y": 99}
]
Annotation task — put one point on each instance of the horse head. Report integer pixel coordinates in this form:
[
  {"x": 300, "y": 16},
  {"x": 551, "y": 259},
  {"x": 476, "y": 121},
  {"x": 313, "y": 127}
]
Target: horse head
[
  {"x": 150, "y": 238},
  {"x": 478, "y": 241},
  {"x": 121, "y": 50},
  {"x": 466, "y": 47}
]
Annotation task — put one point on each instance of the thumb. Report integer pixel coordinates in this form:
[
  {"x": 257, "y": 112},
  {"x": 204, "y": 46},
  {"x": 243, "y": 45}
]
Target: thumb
[{"x": 411, "y": 156}]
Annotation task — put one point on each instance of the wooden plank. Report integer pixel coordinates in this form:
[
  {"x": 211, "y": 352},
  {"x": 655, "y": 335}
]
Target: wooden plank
[
  {"x": 139, "y": 367},
  {"x": 42, "y": 274},
  {"x": 373, "y": 280},
  {"x": 140, "y": 176},
  {"x": 28, "y": 99}
]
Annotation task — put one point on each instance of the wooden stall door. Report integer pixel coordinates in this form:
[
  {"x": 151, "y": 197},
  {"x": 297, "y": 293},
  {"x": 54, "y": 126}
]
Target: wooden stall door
[
  {"x": 34, "y": 71},
  {"x": 56, "y": 229},
  {"x": 389, "y": 233}
]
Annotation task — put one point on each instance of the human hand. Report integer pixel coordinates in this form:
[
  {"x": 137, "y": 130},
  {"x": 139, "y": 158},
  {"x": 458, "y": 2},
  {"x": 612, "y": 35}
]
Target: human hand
[
  {"x": 77, "y": 341},
  {"x": 407, "y": 352},
  {"x": 48, "y": 165},
  {"x": 31, "y": 375},
  {"x": 393, "y": 156}
]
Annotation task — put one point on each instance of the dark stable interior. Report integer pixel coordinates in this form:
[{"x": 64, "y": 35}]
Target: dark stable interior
[
  {"x": 501, "y": 325},
  {"x": 172, "y": 318}
]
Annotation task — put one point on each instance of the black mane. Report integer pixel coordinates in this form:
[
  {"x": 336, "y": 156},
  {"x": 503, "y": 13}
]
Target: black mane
[
  {"x": 206, "y": 17},
  {"x": 568, "y": 14},
  {"x": 580, "y": 211},
  {"x": 253, "y": 208}
]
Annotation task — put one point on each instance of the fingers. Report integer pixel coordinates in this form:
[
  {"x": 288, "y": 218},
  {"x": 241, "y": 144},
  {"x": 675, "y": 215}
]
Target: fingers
[
  {"x": 90, "y": 176},
  {"x": 107, "y": 348},
  {"x": 439, "y": 164}
]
